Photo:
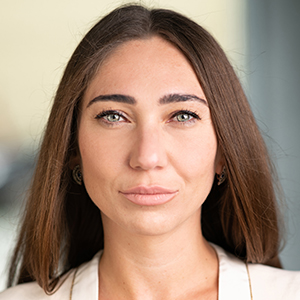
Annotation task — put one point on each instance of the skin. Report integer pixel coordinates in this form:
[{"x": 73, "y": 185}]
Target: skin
[{"x": 156, "y": 251}]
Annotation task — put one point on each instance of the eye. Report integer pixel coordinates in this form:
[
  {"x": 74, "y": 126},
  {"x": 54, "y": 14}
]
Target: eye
[
  {"x": 111, "y": 116},
  {"x": 184, "y": 116}
]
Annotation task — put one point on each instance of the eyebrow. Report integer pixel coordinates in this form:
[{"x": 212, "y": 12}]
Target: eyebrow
[
  {"x": 114, "y": 97},
  {"x": 171, "y": 98}
]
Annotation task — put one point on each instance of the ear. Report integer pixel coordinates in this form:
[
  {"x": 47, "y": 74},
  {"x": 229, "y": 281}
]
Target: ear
[
  {"x": 75, "y": 160},
  {"x": 219, "y": 161}
]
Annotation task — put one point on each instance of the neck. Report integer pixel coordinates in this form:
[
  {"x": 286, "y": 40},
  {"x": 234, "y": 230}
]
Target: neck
[{"x": 177, "y": 264}]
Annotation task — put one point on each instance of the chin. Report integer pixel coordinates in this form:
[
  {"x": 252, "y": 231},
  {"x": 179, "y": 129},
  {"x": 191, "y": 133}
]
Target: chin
[{"x": 153, "y": 224}]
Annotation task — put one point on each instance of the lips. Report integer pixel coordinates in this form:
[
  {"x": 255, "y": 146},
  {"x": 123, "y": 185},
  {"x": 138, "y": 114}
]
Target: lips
[{"x": 149, "y": 195}]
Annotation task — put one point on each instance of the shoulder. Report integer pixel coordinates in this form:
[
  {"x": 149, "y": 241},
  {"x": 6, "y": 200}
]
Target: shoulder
[
  {"x": 83, "y": 282},
  {"x": 24, "y": 291},
  {"x": 268, "y": 282},
  {"x": 32, "y": 291}
]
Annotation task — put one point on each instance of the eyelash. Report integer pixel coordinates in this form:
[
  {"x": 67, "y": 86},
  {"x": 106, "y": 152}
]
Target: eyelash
[
  {"x": 193, "y": 114},
  {"x": 105, "y": 113}
]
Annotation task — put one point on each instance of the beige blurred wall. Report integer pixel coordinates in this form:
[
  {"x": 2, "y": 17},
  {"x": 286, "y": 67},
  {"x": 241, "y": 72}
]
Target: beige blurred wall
[{"x": 37, "y": 37}]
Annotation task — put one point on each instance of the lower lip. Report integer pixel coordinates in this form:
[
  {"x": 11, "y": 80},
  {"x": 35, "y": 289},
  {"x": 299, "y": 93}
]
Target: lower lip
[{"x": 149, "y": 199}]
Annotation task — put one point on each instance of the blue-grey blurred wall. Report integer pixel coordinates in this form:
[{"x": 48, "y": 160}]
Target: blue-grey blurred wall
[{"x": 274, "y": 93}]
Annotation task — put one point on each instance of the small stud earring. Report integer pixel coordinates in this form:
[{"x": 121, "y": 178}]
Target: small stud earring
[
  {"x": 77, "y": 175},
  {"x": 222, "y": 177}
]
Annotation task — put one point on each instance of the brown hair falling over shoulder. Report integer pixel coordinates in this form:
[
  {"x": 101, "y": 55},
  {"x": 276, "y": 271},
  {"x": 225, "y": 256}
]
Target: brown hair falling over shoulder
[{"x": 62, "y": 227}]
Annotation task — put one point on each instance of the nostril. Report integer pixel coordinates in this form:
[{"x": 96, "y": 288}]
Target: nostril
[
  {"x": 148, "y": 153},
  {"x": 145, "y": 161}
]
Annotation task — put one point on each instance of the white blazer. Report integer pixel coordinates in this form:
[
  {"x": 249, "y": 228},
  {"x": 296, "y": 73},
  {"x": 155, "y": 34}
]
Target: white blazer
[{"x": 236, "y": 282}]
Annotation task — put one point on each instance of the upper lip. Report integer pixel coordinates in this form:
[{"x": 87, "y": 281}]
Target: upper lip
[{"x": 148, "y": 190}]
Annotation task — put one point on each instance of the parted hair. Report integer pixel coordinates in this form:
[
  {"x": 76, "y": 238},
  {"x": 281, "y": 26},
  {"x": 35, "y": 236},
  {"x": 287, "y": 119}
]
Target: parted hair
[{"x": 62, "y": 228}]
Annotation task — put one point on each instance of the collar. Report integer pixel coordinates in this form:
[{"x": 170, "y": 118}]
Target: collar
[
  {"x": 86, "y": 280},
  {"x": 234, "y": 283}
]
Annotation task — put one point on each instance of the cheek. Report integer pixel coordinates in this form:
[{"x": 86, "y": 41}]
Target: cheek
[
  {"x": 196, "y": 156},
  {"x": 99, "y": 147},
  {"x": 100, "y": 159}
]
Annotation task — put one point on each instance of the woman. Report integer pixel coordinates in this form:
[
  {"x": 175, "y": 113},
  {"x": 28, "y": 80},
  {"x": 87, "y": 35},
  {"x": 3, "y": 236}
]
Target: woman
[{"x": 153, "y": 180}]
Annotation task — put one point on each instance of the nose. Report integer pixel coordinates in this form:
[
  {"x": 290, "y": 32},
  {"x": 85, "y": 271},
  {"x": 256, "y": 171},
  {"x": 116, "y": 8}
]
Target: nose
[{"x": 148, "y": 150}]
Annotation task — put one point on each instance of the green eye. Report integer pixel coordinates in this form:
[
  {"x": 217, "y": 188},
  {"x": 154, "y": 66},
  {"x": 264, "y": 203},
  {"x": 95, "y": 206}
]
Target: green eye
[
  {"x": 113, "y": 117},
  {"x": 183, "y": 117}
]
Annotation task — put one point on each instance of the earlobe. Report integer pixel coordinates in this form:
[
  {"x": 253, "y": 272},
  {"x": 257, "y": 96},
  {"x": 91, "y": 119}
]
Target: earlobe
[
  {"x": 220, "y": 169},
  {"x": 77, "y": 175},
  {"x": 219, "y": 162},
  {"x": 222, "y": 176},
  {"x": 74, "y": 160}
]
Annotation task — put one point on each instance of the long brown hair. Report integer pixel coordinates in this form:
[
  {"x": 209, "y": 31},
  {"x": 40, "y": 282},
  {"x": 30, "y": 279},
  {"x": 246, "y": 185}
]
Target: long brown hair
[{"x": 62, "y": 227}]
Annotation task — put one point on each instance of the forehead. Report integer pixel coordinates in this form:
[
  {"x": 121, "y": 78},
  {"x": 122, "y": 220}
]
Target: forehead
[
  {"x": 148, "y": 48},
  {"x": 139, "y": 64}
]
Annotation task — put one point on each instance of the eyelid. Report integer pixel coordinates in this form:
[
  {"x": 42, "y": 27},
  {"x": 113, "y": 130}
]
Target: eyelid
[
  {"x": 109, "y": 112},
  {"x": 101, "y": 117},
  {"x": 194, "y": 114}
]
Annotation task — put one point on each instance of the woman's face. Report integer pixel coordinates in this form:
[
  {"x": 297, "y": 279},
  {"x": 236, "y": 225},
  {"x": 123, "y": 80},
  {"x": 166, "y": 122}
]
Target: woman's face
[{"x": 147, "y": 144}]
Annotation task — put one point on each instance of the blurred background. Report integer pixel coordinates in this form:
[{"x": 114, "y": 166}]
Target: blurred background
[{"x": 260, "y": 37}]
